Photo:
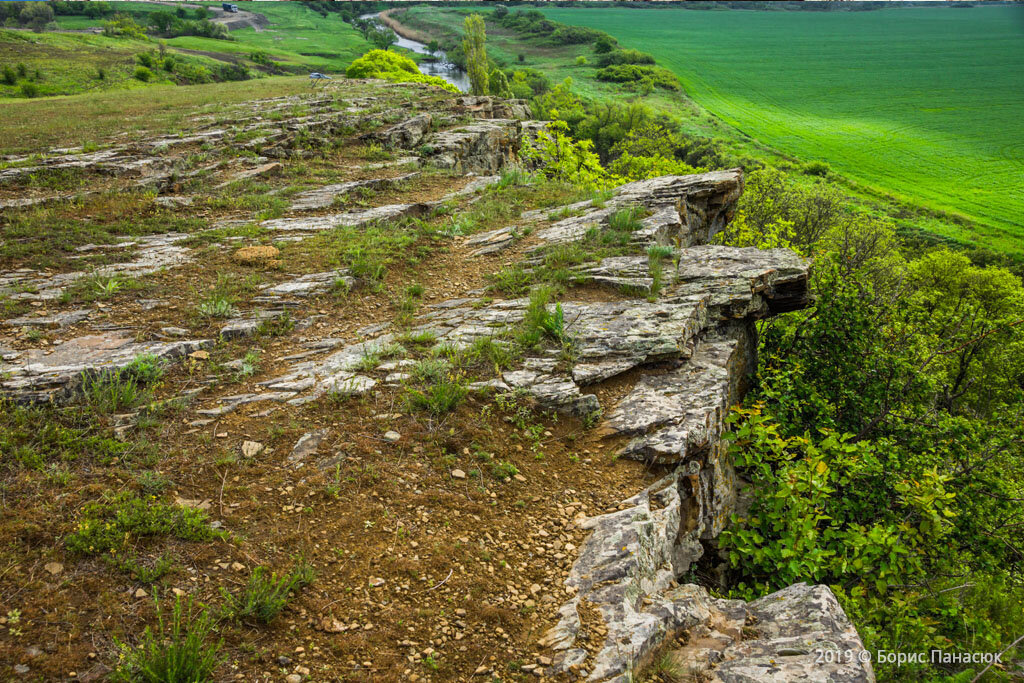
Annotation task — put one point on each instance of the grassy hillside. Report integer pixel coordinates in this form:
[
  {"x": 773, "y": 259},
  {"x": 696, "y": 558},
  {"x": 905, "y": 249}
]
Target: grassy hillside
[
  {"x": 298, "y": 40},
  {"x": 921, "y": 103},
  {"x": 69, "y": 63},
  {"x": 34, "y": 124},
  {"x": 296, "y": 35}
]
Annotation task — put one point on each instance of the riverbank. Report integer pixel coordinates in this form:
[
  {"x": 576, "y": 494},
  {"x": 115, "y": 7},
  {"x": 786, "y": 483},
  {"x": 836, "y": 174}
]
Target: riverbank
[{"x": 401, "y": 29}]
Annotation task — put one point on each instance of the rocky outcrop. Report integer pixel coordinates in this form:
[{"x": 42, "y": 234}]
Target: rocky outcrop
[
  {"x": 488, "y": 107},
  {"x": 38, "y": 375},
  {"x": 482, "y": 148}
]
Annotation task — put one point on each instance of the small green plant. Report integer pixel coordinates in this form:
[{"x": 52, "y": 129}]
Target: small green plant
[
  {"x": 249, "y": 366},
  {"x": 177, "y": 651},
  {"x": 441, "y": 397},
  {"x": 513, "y": 281},
  {"x": 216, "y": 307},
  {"x": 29, "y": 89},
  {"x": 266, "y": 594},
  {"x": 375, "y": 152},
  {"x": 126, "y": 387},
  {"x": 143, "y": 74},
  {"x": 106, "y": 286},
  {"x": 118, "y": 521},
  {"x": 504, "y": 470}
]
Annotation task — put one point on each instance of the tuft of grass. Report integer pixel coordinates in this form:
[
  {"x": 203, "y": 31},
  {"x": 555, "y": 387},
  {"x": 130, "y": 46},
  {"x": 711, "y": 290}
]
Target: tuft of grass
[
  {"x": 266, "y": 594},
  {"x": 442, "y": 396},
  {"x": 626, "y": 220},
  {"x": 178, "y": 650},
  {"x": 115, "y": 390},
  {"x": 513, "y": 281}
]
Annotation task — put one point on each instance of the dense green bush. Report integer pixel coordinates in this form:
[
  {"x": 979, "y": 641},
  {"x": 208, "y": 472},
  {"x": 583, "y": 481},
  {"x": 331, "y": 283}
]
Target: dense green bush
[
  {"x": 143, "y": 74},
  {"x": 393, "y": 67},
  {"x": 884, "y": 440},
  {"x": 624, "y": 57},
  {"x": 633, "y": 74}
]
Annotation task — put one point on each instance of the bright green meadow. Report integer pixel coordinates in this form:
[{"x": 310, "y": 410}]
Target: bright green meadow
[{"x": 925, "y": 104}]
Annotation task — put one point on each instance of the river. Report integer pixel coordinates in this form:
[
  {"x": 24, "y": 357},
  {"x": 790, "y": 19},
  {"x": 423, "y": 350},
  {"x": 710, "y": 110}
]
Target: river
[{"x": 439, "y": 66}]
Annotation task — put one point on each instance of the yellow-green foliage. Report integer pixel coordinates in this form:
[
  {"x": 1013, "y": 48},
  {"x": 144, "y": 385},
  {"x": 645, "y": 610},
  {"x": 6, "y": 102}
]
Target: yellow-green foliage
[{"x": 393, "y": 67}]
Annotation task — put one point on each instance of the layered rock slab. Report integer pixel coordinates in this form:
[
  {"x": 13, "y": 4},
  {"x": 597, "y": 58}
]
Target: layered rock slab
[{"x": 38, "y": 375}]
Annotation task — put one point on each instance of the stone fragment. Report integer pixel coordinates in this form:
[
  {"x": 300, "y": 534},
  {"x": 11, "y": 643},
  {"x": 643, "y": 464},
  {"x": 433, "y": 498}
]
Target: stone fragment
[
  {"x": 54, "y": 568},
  {"x": 307, "y": 445},
  {"x": 251, "y": 449},
  {"x": 55, "y": 320},
  {"x": 392, "y": 436}
]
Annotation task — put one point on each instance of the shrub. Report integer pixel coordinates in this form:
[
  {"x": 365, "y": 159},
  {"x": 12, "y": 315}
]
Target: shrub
[
  {"x": 581, "y": 61},
  {"x": 631, "y": 73},
  {"x": 624, "y": 57},
  {"x": 177, "y": 651},
  {"x": 266, "y": 594},
  {"x": 10, "y": 77},
  {"x": 29, "y": 89},
  {"x": 604, "y": 44},
  {"x": 393, "y": 67},
  {"x": 817, "y": 168},
  {"x": 143, "y": 74},
  {"x": 145, "y": 59},
  {"x": 575, "y": 35}
]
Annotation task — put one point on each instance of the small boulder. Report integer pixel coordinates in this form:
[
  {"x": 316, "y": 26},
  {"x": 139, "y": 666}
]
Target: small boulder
[{"x": 251, "y": 448}]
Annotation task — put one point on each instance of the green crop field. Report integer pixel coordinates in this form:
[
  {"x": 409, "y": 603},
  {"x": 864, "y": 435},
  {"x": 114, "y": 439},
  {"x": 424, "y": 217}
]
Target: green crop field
[{"x": 926, "y": 104}]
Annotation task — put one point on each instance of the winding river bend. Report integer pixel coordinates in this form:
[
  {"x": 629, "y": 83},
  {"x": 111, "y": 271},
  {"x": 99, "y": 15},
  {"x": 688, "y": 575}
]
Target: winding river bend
[{"x": 438, "y": 66}]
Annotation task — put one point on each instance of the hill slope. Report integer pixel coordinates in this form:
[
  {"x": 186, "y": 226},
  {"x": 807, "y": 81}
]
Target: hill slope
[{"x": 922, "y": 103}]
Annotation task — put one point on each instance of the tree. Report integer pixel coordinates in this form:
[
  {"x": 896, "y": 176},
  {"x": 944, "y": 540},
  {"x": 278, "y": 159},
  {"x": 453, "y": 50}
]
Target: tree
[
  {"x": 476, "y": 53},
  {"x": 498, "y": 84},
  {"x": 383, "y": 38},
  {"x": 36, "y": 15},
  {"x": 162, "y": 20}
]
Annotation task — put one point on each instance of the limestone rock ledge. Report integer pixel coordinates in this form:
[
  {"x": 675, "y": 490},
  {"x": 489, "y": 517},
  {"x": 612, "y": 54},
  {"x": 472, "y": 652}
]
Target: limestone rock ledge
[{"x": 626, "y": 572}]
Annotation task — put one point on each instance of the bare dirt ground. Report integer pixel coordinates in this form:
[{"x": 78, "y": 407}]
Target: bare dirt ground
[{"x": 439, "y": 542}]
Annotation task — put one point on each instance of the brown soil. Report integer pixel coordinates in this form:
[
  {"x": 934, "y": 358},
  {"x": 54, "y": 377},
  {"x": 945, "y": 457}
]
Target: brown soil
[{"x": 420, "y": 575}]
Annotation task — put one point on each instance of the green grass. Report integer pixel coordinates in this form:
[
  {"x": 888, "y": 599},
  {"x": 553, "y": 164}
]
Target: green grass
[
  {"x": 302, "y": 36},
  {"x": 31, "y": 125},
  {"x": 922, "y": 104}
]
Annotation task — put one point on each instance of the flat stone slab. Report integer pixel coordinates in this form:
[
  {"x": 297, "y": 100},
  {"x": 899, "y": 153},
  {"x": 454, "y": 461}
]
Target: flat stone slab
[
  {"x": 324, "y": 197},
  {"x": 347, "y": 219},
  {"x": 55, "y": 320},
  {"x": 152, "y": 253},
  {"x": 313, "y": 283},
  {"x": 55, "y": 375}
]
